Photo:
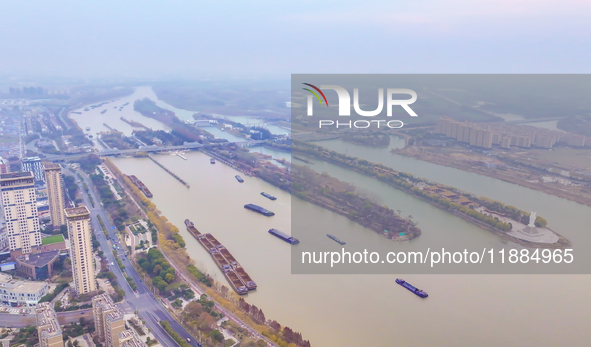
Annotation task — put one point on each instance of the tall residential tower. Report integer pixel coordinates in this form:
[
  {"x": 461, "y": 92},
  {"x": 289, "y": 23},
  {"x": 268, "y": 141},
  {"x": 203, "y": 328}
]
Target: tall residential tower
[
  {"x": 81, "y": 249},
  {"x": 55, "y": 193},
  {"x": 19, "y": 202}
]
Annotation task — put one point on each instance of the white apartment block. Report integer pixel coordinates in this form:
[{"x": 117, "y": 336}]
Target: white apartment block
[
  {"x": 19, "y": 204},
  {"x": 16, "y": 292}
]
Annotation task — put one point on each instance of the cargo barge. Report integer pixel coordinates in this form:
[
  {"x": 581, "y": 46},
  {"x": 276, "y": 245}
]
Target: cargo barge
[
  {"x": 191, "y": 228},
  {"x": 412, "y": 288},
  {"x": 261, "y": 210},
  {"x": 250, "y": 284},
  {"x": 336, "y": 239},
  {"x": 240, "y": 281},
  {"x": 239, "y": 179},
  {"x": 268, "y": 196},
  {"x": 284, "y": 236},
  {"x": 140, "y": 185}
]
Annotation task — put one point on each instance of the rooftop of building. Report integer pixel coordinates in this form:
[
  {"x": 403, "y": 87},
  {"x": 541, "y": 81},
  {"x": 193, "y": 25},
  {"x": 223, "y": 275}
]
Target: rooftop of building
[
  {"x": 30, "y": 159},
  {"x": 20, "y": 286},
  {"x": 13, "y": 175},
  {"x": 51, "y": 166},
  {"x": 76, "y": 211},
  {"x": 39, "y": 259},
  {"x": 105, "y": 302},
  {"x": 47, "y": 320}
]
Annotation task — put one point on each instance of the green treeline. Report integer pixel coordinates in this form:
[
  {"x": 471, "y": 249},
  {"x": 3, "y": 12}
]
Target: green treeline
[{"x": 173, "y": 334}]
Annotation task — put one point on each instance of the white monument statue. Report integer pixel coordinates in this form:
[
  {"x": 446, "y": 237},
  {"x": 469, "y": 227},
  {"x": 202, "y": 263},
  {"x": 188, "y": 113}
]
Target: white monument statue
[{"x": 532, "y": 220}]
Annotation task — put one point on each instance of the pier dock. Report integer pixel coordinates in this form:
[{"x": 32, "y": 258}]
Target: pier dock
[{"x": 170, "y": 172}]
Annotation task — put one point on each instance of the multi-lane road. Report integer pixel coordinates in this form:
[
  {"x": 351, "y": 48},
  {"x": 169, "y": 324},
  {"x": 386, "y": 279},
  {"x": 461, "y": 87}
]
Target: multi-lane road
[{"x": 147, "y": 305}]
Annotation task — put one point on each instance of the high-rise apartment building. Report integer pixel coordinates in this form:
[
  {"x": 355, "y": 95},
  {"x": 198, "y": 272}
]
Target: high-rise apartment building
[
  {"x": 108, "y": 320},
  {"x": 48, "y": 327},
  {"x": 78, "y": 221},
  {"x": 33, "y": 164},
  {"x": 19, "y": 202},
  {"x": 55, "y": 193}
]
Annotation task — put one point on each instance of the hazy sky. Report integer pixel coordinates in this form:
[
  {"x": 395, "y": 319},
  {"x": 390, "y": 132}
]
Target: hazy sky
[{"x": 277, "y": 38}]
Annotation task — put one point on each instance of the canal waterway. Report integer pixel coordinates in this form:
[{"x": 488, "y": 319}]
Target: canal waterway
[
  {"x": 343, "y": 310},
  {"x": 372, "y": 310}
]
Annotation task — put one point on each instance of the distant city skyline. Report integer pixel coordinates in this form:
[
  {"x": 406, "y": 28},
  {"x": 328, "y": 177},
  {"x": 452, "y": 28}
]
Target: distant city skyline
[{"x": 265, "y": 39}]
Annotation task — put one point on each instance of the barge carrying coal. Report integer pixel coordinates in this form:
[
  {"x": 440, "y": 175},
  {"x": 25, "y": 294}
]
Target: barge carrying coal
[
  {"x": 268, "y": 196},
  {"x": 336, "y": 239},
  {"x": 232, "y": 270},
  {"x": 284, "y": 236},
  {"x": 261, "y": 210},
  {"x": 412, "y": 288}
]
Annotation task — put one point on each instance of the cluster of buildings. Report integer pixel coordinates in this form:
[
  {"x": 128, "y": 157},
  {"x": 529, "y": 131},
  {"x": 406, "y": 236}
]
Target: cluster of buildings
[
  {"x": 29, "y": 253},
  {"x": 108, "y": 320},
  {"x": 44, "y": 121},
  {"x": 109, "y": 324},
  {"x": 34, "y": 259},
  {"x": 505, "y": 135}
]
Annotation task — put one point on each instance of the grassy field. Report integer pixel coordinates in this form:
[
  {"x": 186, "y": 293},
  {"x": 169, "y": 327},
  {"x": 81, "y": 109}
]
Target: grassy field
[{"x": 52, "y": 239}]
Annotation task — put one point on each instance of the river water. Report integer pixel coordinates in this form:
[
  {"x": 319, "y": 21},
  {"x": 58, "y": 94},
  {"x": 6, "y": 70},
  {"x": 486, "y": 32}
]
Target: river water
[{"x": 371, "y": 310}]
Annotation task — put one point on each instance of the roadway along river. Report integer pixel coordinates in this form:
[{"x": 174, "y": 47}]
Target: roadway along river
[{"x": 371, "y": 310}]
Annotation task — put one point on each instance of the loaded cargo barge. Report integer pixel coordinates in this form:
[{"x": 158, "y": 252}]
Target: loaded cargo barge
[
  {"x": 284, "y": 236},
  {"x": 140, "y": 185},
  {"x": 261, "y": 210},
  {"x": 412, "y": 288},
  {"x": 232, "y": 270}
]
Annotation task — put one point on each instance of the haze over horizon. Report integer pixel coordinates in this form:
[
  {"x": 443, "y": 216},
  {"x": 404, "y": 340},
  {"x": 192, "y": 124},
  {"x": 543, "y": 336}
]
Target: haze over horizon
[{"x": 265, "y": 39}]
